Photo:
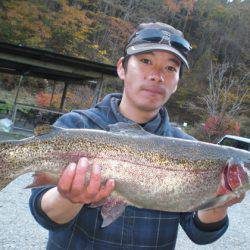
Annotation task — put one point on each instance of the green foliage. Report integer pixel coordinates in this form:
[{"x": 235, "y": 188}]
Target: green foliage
[{"x": 6, "y": 107}]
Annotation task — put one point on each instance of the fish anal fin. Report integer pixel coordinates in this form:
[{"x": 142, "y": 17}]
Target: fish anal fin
[
  {"x": 42, "y": 178},
  {"x": 112, "y": 210}
]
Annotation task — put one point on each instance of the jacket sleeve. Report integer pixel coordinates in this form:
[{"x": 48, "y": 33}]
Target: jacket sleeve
[
  {"x": 39, "y": 215},
  {"x": 202, "y": 234},
  {"x": 73, "y": 120}
]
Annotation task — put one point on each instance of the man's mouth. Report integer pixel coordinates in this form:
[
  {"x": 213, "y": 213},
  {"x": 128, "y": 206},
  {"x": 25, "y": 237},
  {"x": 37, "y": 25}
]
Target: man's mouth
[{"x": 155, "y": 90}]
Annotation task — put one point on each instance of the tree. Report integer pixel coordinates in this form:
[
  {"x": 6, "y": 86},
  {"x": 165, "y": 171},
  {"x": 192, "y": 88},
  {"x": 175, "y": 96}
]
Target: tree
[
  {"x": 223, "y": 102},
  {"x": 22, "y": 22},
  {"x": 225, "y": 91},
  {"x": 69, "y": 29}
]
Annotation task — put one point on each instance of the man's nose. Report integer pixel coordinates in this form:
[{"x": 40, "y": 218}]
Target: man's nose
[{"x": 156, "y": 76}]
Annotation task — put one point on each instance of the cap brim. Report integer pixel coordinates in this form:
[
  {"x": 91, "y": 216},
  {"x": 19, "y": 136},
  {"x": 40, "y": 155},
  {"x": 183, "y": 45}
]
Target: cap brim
[{"x": 146, "y": 47}]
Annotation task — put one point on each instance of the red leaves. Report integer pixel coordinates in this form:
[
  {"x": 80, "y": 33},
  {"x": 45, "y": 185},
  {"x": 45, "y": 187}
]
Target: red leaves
[
  {"x": 43, "y": 99},
  {"x": 217, "y": 126}
]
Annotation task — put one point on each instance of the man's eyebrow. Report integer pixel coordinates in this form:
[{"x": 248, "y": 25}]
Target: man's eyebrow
[
  {"x": 175, "y": 61},
  {"x": 172, "y": 59}
]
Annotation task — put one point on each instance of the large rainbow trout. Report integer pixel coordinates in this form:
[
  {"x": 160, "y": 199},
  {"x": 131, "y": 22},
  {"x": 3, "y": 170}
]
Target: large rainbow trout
[{"x": 150, "y": 171}]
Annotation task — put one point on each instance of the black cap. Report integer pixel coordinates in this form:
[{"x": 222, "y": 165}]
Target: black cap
[{"x": 158, "y": 36}]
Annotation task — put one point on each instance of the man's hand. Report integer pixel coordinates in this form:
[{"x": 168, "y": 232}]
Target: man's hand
[
  {"x": 217, "y": 214},
  {"x": 74, "y": 186},
  {"x": 234, "y": 200},
  {"x": 63, "y": 203}
]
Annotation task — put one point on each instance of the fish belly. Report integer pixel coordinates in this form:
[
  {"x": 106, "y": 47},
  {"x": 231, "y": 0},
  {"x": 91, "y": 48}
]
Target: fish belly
[{"x": 160, "y": 188}]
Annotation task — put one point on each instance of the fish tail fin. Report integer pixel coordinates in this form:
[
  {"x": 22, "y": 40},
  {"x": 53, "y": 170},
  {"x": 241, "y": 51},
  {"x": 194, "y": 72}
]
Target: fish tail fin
[
  {"x": 7, "y": 170},
  {"x": 43, "y": 178}
]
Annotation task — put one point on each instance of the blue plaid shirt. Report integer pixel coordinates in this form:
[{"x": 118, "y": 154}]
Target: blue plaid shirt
[{"x": 136, "y": 228}]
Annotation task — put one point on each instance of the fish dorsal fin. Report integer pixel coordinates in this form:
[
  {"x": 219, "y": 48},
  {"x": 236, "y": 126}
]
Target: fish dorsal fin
[
  {"x": 128, "y": 128},
  {"x": 42, "y": 129}
]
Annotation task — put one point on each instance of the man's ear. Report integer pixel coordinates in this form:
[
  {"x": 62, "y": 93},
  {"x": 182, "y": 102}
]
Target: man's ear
[{"x": 120, "y": 69}]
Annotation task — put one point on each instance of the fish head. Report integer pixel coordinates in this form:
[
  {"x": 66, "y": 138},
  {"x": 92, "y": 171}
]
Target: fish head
[{"x": 235, "y": 177}]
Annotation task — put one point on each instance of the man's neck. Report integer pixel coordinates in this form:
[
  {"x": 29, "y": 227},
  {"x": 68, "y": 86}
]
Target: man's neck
[{"x": 135, "y": 114}]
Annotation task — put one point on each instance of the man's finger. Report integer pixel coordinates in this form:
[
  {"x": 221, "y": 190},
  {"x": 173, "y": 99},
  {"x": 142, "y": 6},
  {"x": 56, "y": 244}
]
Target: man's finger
[
  {"x": 95, "y": 181},
  {"x": 105, "y": 191},
  {"x": 79, "y": 179},
  {"x": 237, "y": 199},
  {"x": 65, "y": 182}
]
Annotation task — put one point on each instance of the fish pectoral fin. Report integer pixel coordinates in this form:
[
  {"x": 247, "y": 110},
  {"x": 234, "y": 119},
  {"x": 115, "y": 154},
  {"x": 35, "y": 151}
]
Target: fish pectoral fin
[
  {"x": 128, "y": 128},
  {"x": 112, "y": 210},
  {"x": 42, "y": 178}
]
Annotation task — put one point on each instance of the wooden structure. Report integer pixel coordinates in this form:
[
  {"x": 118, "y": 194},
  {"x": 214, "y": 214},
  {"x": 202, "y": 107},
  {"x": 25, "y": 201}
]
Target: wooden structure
[{"x": 26, "y": 61}]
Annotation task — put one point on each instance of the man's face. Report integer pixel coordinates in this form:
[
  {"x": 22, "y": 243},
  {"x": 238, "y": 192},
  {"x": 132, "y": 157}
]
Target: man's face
[{"x": 150, "y": 79}]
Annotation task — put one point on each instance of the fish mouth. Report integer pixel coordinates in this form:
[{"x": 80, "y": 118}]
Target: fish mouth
[{"x": 234, "y": 176}]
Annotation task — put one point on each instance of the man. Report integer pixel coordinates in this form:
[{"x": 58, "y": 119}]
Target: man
[{"x": 153, "y": 61}]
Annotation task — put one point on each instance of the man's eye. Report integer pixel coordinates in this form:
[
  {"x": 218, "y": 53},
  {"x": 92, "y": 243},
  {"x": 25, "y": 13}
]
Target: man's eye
[
  {"x": 171, "y": 68},
  {"x": 145, "y": 60}
]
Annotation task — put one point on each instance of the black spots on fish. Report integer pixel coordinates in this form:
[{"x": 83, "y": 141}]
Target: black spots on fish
[
  {"x": 113, "y": 152},
  {"x": 42, "y": 129},
  {"x": 8, "y": 169},
  {"x": 72, "y": 156}
]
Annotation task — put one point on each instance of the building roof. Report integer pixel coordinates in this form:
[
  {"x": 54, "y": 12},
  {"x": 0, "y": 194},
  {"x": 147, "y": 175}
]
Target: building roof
[{"x": 16, "y": 59}]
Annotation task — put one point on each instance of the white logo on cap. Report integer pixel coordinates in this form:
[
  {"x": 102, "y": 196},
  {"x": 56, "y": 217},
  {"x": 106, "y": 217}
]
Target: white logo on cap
[{"x": 166, "y": 37}]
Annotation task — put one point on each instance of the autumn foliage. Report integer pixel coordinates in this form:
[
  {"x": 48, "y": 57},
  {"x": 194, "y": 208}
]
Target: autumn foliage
[
  {"x": 78, "y": 97},
  {"x": 217, "y": 126},
  {"x": 177, "y": 6},
  {"x": 44, "y": 99},
  {"x": 98, "y": 30}
]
